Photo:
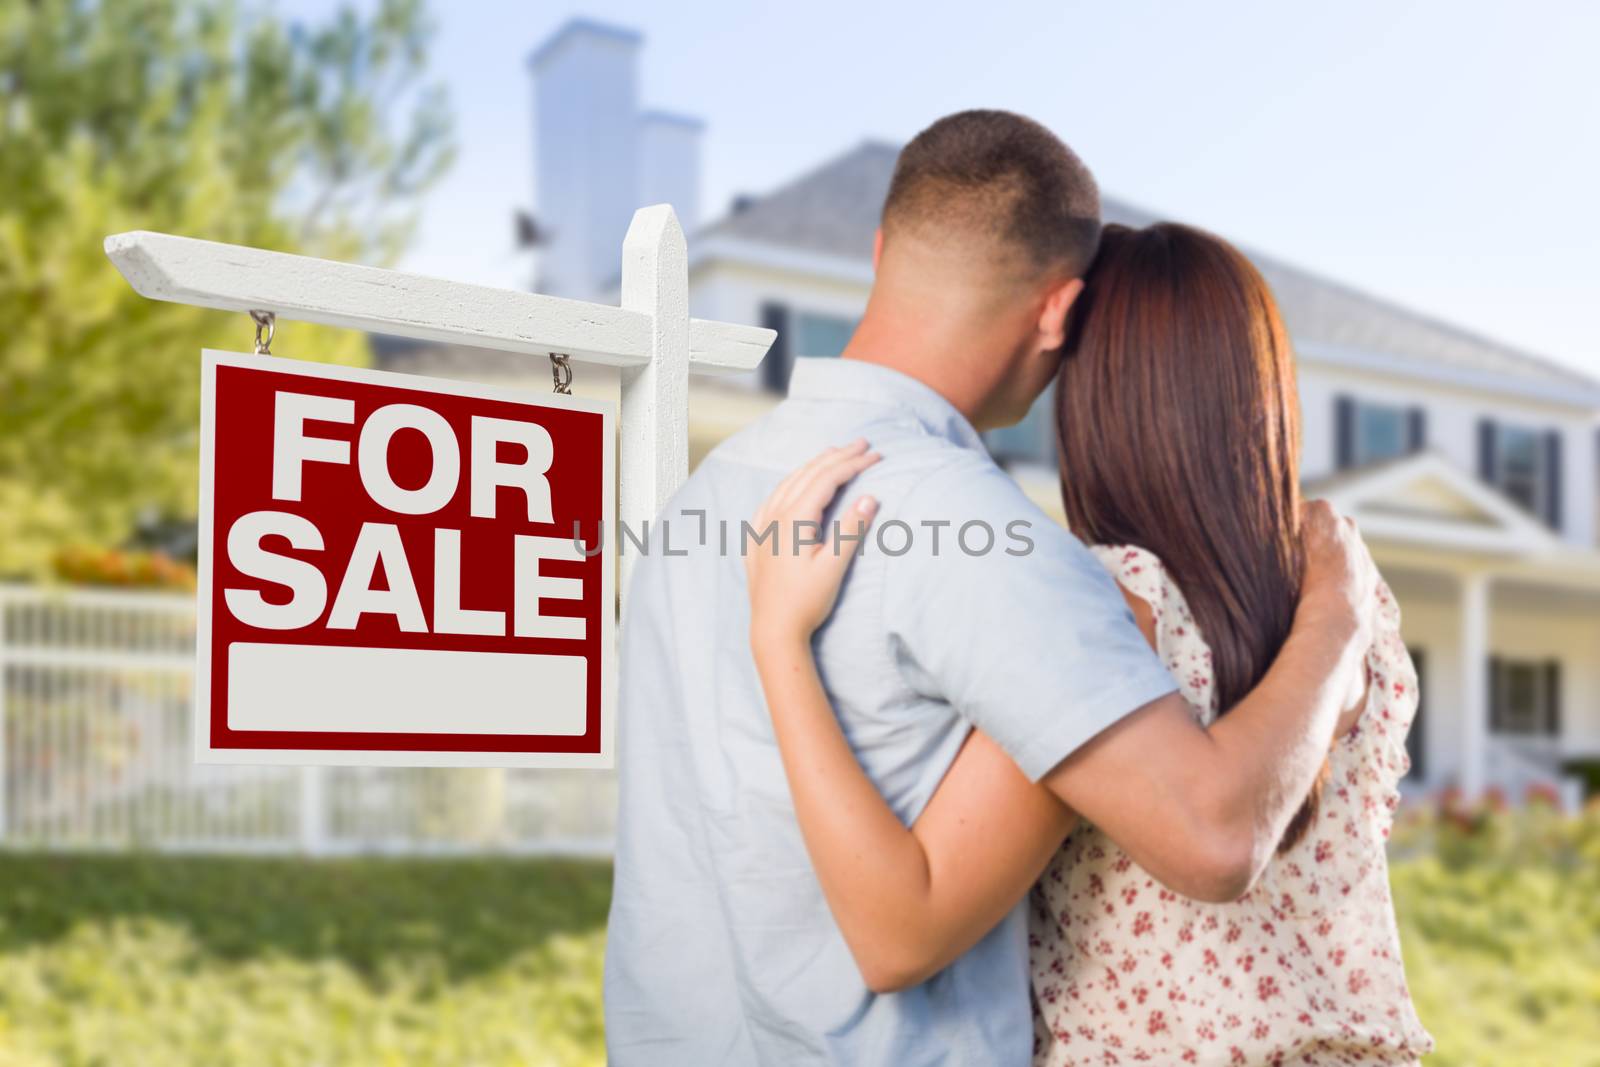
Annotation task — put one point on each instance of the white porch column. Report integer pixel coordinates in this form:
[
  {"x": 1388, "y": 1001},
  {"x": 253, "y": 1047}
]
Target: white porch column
[{"x": 1474, "y": 682}]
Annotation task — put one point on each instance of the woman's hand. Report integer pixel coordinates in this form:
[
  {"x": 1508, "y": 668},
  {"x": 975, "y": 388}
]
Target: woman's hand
[{"x": 794, "y": 575}]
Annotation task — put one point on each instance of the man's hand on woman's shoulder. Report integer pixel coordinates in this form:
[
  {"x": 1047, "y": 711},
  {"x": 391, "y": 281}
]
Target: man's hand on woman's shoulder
[
  {"x": 1340, "y": 577},
  {"x": 1337, "y": 594}
]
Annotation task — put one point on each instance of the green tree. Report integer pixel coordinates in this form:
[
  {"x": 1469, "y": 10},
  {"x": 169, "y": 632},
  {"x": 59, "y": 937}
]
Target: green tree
[{"x": 204, "y": 118}]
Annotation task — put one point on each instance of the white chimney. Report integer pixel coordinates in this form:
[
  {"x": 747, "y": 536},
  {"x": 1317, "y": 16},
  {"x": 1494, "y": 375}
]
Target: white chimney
[
  {"x": 586, "y": 146},
  {"x": 669, "y": 163},
  {"x": 598, "y": 158}
]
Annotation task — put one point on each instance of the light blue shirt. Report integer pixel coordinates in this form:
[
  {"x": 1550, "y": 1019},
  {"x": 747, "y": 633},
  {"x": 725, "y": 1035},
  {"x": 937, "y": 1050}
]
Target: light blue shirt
[{"x": 721, "y": 948}]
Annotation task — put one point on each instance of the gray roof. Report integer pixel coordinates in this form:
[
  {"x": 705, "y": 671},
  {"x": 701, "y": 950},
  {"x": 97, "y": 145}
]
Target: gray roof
[{"x": 834, "y": 210}]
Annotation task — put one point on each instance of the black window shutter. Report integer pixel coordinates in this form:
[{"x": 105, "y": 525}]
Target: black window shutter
[
  {"x": 1416, "y": 429},
  {"x": 1487, "y": 446},
  {"x": 1552, "y": 697},
  {"x": 1344, "y": 440},
  {"x": 1417, "y": 737},
  {"x": 775, "y": 368},
  {"x": 1552, "y": 479},
  {"x": 1497, "y": 702}
]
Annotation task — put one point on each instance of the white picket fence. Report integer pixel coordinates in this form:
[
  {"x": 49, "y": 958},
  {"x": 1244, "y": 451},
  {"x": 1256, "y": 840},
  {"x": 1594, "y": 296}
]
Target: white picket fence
[{"x": 95, "y": 702}]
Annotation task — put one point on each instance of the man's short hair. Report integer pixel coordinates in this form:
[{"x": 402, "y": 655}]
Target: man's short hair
[{"x": 994, "y": 174}]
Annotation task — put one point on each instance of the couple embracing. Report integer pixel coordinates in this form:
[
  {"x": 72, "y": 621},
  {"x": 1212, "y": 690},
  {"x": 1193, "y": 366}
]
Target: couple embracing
[{"x": 1113, "y": 795}]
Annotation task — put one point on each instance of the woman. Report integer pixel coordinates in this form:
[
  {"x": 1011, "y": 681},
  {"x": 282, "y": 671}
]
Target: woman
[{"x": 1179, "y": 443}]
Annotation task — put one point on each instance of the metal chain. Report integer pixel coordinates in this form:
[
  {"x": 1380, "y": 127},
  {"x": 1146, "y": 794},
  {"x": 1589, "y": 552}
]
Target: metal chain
[
  {"x": 561, "y": 371},
  {"x": 266, "y": 325}
]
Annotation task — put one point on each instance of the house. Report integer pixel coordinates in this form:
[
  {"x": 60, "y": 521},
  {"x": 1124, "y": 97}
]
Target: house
[{"x": 1472, "y": 467}]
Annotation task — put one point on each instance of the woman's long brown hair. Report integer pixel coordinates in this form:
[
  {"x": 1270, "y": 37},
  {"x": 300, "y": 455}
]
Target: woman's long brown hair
[{"x": 1179, "y": 431}]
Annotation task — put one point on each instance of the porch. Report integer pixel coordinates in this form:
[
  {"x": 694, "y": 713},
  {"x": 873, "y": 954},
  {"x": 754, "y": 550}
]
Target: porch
[{"x": 1503, "y": 620}]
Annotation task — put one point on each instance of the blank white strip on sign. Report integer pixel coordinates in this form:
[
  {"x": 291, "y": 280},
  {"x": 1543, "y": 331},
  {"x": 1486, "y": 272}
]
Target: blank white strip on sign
[{"x": 331, "y": 688}]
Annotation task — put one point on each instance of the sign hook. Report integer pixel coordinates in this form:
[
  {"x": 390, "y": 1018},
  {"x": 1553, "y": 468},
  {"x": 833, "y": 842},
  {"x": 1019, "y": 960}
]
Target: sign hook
[
  {"x": 266, "y": 325},
  {"x": 561, "y": 372}
]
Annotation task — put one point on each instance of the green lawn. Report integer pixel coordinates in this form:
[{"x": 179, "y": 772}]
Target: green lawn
[
  {"x": 117, "y": 960},
  {"x": 234, "y": 962}
]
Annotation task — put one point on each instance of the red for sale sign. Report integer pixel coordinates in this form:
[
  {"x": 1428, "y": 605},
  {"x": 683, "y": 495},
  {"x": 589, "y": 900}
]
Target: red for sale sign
[{"x": 400, "y": 570}]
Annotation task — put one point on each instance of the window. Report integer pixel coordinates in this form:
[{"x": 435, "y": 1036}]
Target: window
[
  {"x": 1033, "y": 440},
  {"x": 1380, "y": 432},
  {"x": 1371, "y": 432},
  {"x": 1525, "y": 464},
  {"x": 800, "y": 333},
  {"x": 821, "y": 335},
  {"x": 1524, "y": 697},
  {"x": 1521, "y": 472}
]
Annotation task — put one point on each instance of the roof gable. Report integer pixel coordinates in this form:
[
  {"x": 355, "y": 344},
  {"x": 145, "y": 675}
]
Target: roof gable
[{"x": 1426, "y": 499}]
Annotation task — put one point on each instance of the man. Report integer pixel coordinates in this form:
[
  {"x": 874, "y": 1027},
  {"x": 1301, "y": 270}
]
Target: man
[{"x": 721, "y": 947}]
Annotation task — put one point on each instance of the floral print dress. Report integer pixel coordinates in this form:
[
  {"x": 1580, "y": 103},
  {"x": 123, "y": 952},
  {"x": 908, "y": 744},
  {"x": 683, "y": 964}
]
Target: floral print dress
[{"x": 1304, "y": 970}]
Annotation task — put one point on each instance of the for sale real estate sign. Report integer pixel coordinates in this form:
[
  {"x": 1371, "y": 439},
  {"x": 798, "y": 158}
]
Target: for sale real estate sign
[{"x": 400, "y": 570}]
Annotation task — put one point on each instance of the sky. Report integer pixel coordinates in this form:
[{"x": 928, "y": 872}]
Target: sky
[{"x": 1445, "y": 155}]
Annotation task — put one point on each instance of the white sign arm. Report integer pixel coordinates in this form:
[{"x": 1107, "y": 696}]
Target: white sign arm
[{"x": 650, "y": 337}]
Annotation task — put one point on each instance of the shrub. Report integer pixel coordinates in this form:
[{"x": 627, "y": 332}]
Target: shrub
[{"x": 1500, "y": 921}]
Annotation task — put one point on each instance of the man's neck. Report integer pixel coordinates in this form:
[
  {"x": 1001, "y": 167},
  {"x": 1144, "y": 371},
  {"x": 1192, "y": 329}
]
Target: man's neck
[{"x": 945, "y": 360}]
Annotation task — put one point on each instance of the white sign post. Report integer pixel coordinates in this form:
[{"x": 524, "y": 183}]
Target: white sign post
[{"x": 650, "y": 337}]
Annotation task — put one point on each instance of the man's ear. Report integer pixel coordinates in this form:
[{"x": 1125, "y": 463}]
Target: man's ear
[
  {"x": 877, "y": 248},
  {"x": 1053, "y": 316}
]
